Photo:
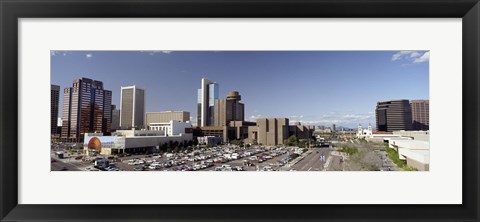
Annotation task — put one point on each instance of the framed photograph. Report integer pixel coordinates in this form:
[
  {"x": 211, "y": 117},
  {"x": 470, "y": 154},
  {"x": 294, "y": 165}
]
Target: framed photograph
[{"x": 259, "y": 110}]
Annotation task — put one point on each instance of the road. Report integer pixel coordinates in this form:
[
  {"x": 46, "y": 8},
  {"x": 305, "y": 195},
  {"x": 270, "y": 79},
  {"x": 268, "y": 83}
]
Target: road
[
  {"x": 312, "y": 161},
  {"x": 69, "y": 165}
]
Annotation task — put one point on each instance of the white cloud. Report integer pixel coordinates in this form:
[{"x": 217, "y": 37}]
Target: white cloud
[
  {"x": 346, "y": 120},
  {"x": 193, "y": 121},
  {"x": 411, "y": 56},
  {"x": 343, "y": 119},
  {"x": 414, "y": 54},
  {"x": 424, "y": 58},
  {"x": 254, "y": 117},
  {"x": 154, "y": 52},
  {"x": 88, "y": 56},
  {"x": 402, "y": 54}
]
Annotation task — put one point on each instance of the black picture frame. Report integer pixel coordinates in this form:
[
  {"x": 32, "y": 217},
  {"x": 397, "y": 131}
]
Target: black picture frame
[{"x": 11, "y": 11}]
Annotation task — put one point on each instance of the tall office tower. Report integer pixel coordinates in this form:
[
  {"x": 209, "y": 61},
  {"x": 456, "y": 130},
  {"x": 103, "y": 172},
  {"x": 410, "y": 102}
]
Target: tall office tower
[
  {"x": 420, "y": 114},
  {"x": 107, "y": 112},
  {"x": 115, "y": 125},
  {"x": 206, "y": 103},
  {"x": 229, "y": 109},
  {"x": 393, "y": 115},
  {"x": 54, "y": 100},
  {"x": 84, "y": 109},
  {"x": 132, "y": 107}
]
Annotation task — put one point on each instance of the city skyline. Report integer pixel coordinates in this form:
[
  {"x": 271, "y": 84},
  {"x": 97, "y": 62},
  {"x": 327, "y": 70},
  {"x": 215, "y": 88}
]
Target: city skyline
[{"x": 313, "y": 87}]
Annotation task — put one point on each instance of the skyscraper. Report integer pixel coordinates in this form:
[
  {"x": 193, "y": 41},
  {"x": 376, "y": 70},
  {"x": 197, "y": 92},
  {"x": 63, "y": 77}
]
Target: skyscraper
[
  {"x": 84, "y": 109},
  {"x": 54, "y": 100},
  {"x": 420, "y": 114},
  {"x": 115, "y": 118},
  {"x": 207, "y": 95},
  {"x": 393, "y": 115},
  {"x": 229, "y": 109},
  {"x": 132, "y": 107}
]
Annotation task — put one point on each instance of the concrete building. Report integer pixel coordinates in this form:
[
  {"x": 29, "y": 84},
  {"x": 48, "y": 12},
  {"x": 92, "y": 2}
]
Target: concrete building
[
  {"x": 132, "y": 107},
  {"x": 115, "y": 118},
  {"x": 301, "y": 131},
  {"x": 415, "y": 153},
  {"x": 229, "y": 109},
  {"x": 270, "y": 132},
  {"x": 54, "y": 100},
  {"x": 173, "y": 127},
  {"x": 207, "y": 95},
  {"x": 86, "y": 109},
  {"x": 393, "y": 115},
  {"x": 167, "y": 116},
  {"x": 420, "y": 114},
  {"x": 415, "y": 135},
  {"x": 130, "y": 141}
]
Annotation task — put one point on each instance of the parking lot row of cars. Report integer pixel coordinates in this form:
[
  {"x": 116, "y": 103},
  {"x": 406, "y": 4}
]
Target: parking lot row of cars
[{"x": 203, "y": 158}]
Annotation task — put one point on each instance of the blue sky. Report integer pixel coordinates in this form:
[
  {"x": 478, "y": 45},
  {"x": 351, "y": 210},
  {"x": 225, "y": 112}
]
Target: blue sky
[{"x": 313, "y": 87}]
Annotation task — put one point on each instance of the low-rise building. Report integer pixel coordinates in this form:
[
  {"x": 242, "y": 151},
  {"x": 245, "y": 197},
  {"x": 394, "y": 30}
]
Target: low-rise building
[
  {"x": 276, "y": 131},
  {"x": 416, "y": 153},
  {"x": 419, "y": 135},
  {"x": 130, "y": 141},
  {"x": 209, "y": 140},
  {"x": 173, "y": 127}
]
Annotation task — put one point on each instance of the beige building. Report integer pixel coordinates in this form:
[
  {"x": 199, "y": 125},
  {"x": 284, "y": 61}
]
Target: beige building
[
  {"x": 229, "y": 109},
  {"x": 276, "y": 131},
  {"x": 301, "y": 131},
  {"x": 270, "y": 132},
  {"x": 236, "y": 130},
  {"x": 132, "y": 107},
  {"x": 167, "y": 116}
]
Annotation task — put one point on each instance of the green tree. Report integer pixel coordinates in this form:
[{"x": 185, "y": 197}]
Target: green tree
[
  {"x": 292, "y": 140},
  {"x": 236, "y": 142}
]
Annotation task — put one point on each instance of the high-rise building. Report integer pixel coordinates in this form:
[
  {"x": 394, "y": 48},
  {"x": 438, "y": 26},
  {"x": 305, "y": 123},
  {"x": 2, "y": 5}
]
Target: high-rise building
[
  {"x": 207, "y": 95},
  {"x": 115, "y": 118},
  {"x": 54, "y": 100},
  {"x": 229, "y": 109},
  {"x": 132, "y": 107},
  {"x": 420, "y": 114},
  {"x": 393, "y": 115},
  {"x": 86, "y": 109}
]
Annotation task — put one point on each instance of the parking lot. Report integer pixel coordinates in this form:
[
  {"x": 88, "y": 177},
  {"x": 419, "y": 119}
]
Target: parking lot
[{"x": 219, "y": 158}]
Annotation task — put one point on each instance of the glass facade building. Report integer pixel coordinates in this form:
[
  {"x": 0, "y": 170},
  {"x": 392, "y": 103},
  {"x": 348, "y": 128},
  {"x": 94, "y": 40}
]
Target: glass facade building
[{"x": 84, "y": 109}]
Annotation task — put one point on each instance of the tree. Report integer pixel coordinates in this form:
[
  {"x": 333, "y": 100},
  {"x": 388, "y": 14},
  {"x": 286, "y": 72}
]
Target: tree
[
  {"x": 236, "y": 142},
  {"x": 292, "y": 140}
]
